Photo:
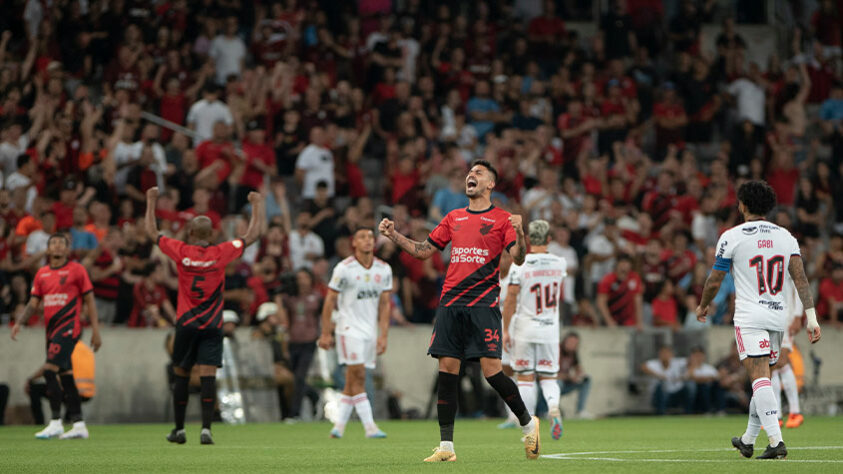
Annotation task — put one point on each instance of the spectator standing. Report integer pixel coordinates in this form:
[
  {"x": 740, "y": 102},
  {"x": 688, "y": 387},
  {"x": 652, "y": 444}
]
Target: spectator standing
[
  {"x": 305, "y": 245},
  {"x": 619, "y": 296},
  {"x": 204, "y": 114},
  {"x": 228, "y": 52},
  {"x": 314, "y": 164}
]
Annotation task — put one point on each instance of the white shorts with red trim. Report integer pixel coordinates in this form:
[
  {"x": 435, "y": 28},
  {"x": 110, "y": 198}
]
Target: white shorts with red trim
[
  {"x": 753, "y": 342},
  {"x": 534, "y": 357},
  {"x": 354, "y": 351}
]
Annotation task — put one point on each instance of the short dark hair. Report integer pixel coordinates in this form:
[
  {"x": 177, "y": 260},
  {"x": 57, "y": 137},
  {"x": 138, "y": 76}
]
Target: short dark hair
[
  {"x": 59, "y": 235},
  {"x": 622, "y": 257},
  {"x": 758, "y": 197},
  {"x": 22, "y": 160},
  {"x": 358, "y": 228},
  {"x": 486, "y": 165}
]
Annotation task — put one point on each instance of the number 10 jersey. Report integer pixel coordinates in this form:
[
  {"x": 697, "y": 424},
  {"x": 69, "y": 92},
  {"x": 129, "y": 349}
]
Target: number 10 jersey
[{"x": 758, "y": 255}]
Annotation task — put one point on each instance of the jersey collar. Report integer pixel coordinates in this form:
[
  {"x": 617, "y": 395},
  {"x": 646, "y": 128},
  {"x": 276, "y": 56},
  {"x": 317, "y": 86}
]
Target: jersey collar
[{"x": 480, "y": 212}]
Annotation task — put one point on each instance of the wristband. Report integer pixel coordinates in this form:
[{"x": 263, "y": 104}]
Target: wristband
[{"x": 811, "y": 313}]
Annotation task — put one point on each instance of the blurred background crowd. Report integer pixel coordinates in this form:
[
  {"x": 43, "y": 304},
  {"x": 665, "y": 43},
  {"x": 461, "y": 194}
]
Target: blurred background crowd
[{"x": 630, "y": 138}]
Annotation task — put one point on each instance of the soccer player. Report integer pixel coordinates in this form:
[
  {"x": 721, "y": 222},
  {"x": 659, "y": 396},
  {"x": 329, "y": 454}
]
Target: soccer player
[
  {"x": 758, "y": 253},
  {"x": 62, "y": 285},
  {"x": 506, "y": 362},
  {"x": 360, "y": 289},
  {"x": 782, "y": 373},
  {"x": 468, "y": 319},
  {"x": 532, "y": 309},
  {"x": 201, "y": 274}
]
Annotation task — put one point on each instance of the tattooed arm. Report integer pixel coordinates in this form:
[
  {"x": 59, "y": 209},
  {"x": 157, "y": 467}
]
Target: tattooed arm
[
  {"x": 712, "y": 286},
  {"x": 803, "y": 288},
  {"x": 420, "y": 250},
  {"x": 519, "y": 250}
]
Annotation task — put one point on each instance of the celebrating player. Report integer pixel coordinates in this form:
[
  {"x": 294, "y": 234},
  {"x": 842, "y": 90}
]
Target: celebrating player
[
  {"x": 359, "y": 289},
  {"x": 468, "y": 320},
  {"x": 201, "y": 270},
  {"x": 782, "y": 376},
  {"x": 758, "y": 252},
  {"x": 62, "y": 285},
  {"x": 533, "y": 299}
]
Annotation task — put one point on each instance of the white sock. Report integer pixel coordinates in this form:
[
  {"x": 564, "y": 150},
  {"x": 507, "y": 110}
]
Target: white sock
[
  {"x": 346, "y": 406},
  {"x": 776, "y": 382},
  {"x": 447, "y": 446},
  {"x": 364, "y": 411},
  {"x": 765, "y": 406},
  {"x": 529, "y": 427},
  {"x": 529, "y": 394},
  {"x": 791, "y": 389},
  {"x": 753, "y": 426},
  {"x": 550, "y": 389}
]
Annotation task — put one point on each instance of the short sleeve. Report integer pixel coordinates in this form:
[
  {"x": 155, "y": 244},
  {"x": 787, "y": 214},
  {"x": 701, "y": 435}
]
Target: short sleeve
[
  {"x": 37, "y": 290},
  {"x": 338, "y": 280},
  {"x": 564, "y": 265},
  {"x": 83, "y": 280},
  {"x": 514, "y": 275},
  {"x": 725, "y": 250},
  {"x": 171, "y": 247},
  {"x": 795, "y": 251},
  {"x": 387, "y": 281},
  {"x": 304, "y": 160},
  {"x": 231, "y": 250},
  {"x": 441, "y": 235},
  {"x": 509, "y": 236}
]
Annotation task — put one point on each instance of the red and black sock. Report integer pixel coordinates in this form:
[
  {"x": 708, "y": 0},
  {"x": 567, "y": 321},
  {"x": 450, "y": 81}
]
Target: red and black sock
[
  {"x": 71, "y": 398},
  {"x": 54, "y": 393},
  {"x": 447, "y": 405},
  {"x": 507, "y": 389},
  {"x": 180, "y": 395},
  {"x": 209, "y": 397}
]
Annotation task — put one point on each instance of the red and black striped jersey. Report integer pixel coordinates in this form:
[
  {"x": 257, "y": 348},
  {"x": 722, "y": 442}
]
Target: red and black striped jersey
[
  {"x": 201, "y": 279},
  {"x": 478, "y": 238},
  {"x": 621, "y": 295},
  {"x": 61, "y": 290}
]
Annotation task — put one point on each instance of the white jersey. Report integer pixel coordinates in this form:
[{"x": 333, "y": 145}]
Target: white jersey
[
  {"x": 536, "y": 317},
  {"x": 359, "y": 291},
  {"x": 758, "y": 254}
]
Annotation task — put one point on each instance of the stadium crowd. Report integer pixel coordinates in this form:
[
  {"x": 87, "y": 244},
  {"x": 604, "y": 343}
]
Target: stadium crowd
[{"x": 630, "y": 141}]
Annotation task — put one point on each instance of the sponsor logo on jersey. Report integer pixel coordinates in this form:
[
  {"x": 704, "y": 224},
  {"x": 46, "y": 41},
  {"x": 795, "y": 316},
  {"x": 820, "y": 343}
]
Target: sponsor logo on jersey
[
  {"x": 55, "y": 299},
  {"x": 63, "y": 280},
  {"x": 461, "y": 218},
  {"x": 522, "y": 362},
  {"x": 545, "y": 362},
  {"x": 749, "y": 230},
  {"x": 469, "y": 255},
  {"x": 722, "y": 250},
  {"x": 764, "y": 344},
  {"x": 772, "y": 305},
  {"x": 487, "y": 219},
  {"x": 377, "y": 278},
  {"x": 367, "y": 294},
  {"x": 237, "y": 243},
  {"x": 774, "y": 355},
  {"x": 197, "y": 263},
  {"x": 485, "y": 229}
]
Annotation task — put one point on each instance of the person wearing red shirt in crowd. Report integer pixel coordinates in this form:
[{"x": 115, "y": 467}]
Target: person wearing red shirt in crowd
[
  {"x": 152, "y": 306},
  {"x": 629, "y": 88},
  {"x": 216, "y": 157},
  {"x": 260, "y": 160},
  {"x": 405, "y": 182},
  {"x": 63, "y": 208},
  {"x": 825, "y": 24},
  {"x": 547, "y": 32},
  {"x": 619, "y": 296},
  {"x": 830, "y": 304},
  {"x": 665, "y": 312},
  {"x": 63, "y": 286},
  {"x": 653, "y": 270},
  {"x": 575, "y": 127},
  {"x": 617, "y": 116},
  {"x": 679, "y": 258},
  {"x": 12, "y": 215},
  {"x": 782, "y": 176},
  {"x": 201, "y": 207},
  {"x": 105, "y": 266},
  {"x": 670, "y": 118},
  {"x": 123, "y": 73},
  {"x": 174, "y": 97},
  {"x": 660, "y": 202}
]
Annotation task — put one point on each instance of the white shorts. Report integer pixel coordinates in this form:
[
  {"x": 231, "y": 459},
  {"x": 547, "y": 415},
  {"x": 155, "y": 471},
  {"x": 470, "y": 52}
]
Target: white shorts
[
  {"x": 534, "y": 357},
  {"x": 758, "y": 343},
  {"x": 354, "y": 351}
]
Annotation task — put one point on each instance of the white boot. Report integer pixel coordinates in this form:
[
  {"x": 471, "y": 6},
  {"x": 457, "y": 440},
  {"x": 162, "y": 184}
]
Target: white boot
[
  {"x": 53, "y": 430},
  {"x": 79, "y": 431}
]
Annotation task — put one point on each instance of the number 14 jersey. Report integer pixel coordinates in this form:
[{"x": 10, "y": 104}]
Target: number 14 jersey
[
  {"x": 539, "y": 280},
  {"x": 758, "y": 255}
]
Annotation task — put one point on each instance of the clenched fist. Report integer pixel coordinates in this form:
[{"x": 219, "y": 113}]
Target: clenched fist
[
  {"x": 254, "y": 197},
  {"x": 152, "y": 193},
  {"x": 515, "y": 220},
  {"x": 386, "y": 228}
]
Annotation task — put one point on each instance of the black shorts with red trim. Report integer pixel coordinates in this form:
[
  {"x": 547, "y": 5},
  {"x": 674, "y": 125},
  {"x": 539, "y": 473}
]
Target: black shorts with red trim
[
  {"x": 197, "y": 346},
  {"x": 60, "y": 349},
  {"x": 466, "y": 332}
]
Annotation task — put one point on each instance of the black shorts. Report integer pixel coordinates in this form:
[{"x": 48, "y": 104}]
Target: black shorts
[
  {"x": 60, "y": 349},
  {"x": 194, "y": 346},
  {"x": 467, "y": 333}
]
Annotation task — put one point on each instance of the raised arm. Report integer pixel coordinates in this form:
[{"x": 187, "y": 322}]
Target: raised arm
[
  {"x": 420, "y": 250},
  {"x": 712, "y": 286},
  {"x": 24, "y": 315},
  {"x": 803, "y": 288},
  {"x": 253, "y": 233},
  {"x": 519, "y": 250},
  {"x": 326, "y": 341},
  {"x": 150, "y": 223}
]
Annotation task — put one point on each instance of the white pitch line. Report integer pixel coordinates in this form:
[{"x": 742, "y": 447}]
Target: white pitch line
[{"x": 578, "y": 456}]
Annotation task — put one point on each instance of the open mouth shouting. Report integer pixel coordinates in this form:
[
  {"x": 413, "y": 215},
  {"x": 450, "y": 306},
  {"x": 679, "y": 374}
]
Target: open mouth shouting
[{"x": 470, "y": 183}]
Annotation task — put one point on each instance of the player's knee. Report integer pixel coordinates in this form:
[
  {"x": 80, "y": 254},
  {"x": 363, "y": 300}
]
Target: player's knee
[
  {"x": 207, "y": 371},
  {"x": 449, "y": 365},
  {"x": 490, "y": 366}
]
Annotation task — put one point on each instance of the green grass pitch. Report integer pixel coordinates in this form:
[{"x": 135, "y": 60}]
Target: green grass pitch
[{"x": 678, "y": 444}]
